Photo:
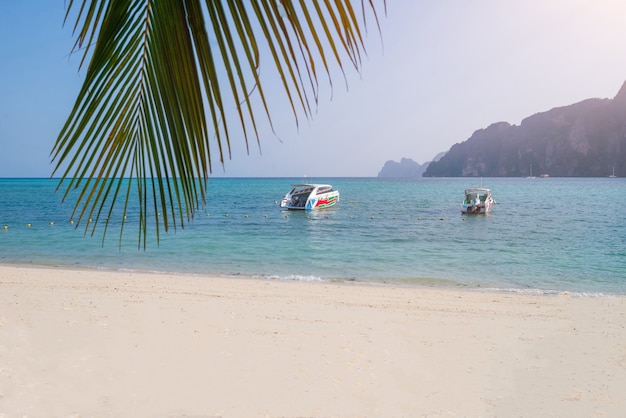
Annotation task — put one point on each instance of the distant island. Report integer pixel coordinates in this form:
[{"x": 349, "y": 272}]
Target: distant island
[
  {"x": 585, "y": 139},
  {"x": 406, "y": 168}
]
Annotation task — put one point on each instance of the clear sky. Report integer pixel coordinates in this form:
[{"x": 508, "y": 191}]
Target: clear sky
[{"x": 444, "y": 69}]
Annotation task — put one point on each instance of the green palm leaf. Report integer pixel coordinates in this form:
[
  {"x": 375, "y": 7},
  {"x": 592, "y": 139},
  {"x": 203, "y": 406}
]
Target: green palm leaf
[{"x": 160, "y": 77}]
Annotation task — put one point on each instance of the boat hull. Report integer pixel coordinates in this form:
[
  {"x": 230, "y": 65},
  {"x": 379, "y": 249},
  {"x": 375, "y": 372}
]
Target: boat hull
[
  {"x": 315, "y": 203},
  {"x": 309, "y": 197},
  {"x": 475, "y": 210}
]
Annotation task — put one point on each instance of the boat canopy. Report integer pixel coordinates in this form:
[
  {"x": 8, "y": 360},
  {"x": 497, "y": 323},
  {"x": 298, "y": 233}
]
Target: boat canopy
[
  {"x": 477, "y": 192},
  {"x": 306, "y": 187}
]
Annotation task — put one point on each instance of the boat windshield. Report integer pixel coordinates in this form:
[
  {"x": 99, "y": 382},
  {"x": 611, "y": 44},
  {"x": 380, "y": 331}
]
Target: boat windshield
[
  {"x": 301, "y": 189},
  {"x": 469, "y": 198},
  {"x": 472, "y": 194}
]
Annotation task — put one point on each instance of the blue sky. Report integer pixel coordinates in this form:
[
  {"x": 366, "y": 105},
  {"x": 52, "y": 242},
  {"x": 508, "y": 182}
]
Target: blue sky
[{"x": 447, "y": 68}]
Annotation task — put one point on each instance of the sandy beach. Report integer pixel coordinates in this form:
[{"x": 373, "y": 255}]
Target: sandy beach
[{"x": 79, "y": 343}]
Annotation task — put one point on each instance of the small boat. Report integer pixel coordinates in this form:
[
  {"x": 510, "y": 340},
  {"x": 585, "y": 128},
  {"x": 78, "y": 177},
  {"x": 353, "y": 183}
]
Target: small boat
[
  {"x": 478, "y": 200},
  {"x": 307, "y": 196},
  {"x": 612, "y": 176}
]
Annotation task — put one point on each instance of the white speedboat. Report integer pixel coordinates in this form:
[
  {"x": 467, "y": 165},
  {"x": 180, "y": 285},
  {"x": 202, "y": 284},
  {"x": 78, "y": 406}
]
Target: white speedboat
[
  {"x": 308, "y": 196},
  {"x": 477, "y": 200}
]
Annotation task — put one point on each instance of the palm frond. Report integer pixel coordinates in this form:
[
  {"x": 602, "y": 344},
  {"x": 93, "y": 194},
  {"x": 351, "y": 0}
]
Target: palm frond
[{"x": 160, "y": 77}]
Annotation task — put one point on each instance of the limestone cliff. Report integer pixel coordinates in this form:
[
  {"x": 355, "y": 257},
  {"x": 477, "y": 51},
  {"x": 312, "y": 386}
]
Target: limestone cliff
[{"x": 585, "y": 139}]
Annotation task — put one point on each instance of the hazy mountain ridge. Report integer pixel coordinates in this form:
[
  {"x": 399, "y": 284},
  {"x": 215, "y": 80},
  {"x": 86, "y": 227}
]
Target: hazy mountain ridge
[
  {"x": 585, "y": 139},
  {"x": 406, "y": 167}
]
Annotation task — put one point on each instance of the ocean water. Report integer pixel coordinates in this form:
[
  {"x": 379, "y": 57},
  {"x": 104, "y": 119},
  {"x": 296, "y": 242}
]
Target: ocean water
[{"x": 546, "y": 235}]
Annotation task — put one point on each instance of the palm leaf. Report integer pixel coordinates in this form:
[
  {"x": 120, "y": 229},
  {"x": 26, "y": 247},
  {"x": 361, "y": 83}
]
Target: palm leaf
[{"x": 159, "y": 79}]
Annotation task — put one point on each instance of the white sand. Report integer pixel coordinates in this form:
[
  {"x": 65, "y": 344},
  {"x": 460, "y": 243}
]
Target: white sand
[{"x": 119, "y": 344}]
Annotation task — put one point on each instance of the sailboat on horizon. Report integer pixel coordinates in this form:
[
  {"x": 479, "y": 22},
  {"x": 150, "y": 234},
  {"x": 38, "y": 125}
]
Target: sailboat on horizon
[
  {"x": 531, "y": 173},
  {"x": 612, "y": 176}
]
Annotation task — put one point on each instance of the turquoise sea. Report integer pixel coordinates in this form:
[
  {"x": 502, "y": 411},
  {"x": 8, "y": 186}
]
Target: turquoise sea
[{"x": 543, "y": 235}]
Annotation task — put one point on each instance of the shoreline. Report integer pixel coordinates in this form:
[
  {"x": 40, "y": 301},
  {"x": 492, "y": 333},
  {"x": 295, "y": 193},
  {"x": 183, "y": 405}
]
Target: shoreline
[
  {"x": 124, "y": 343},
  {"x": 416, "y": 283}
]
